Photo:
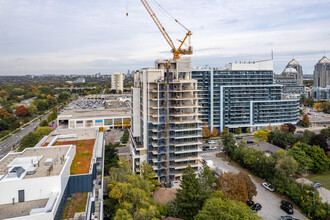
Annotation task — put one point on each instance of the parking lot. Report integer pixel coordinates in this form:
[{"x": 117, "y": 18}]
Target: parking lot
[{"x": 270, "y": 201}]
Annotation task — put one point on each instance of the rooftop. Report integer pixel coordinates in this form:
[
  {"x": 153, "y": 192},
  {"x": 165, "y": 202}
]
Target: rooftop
[
  {"x": 87, "y": 114},
  {"x": 34, "y": 162},
  {"x": 20, "y": 208}
]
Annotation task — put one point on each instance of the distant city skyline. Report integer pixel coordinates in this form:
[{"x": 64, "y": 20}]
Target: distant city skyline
[{"x": 88, "y": 37}]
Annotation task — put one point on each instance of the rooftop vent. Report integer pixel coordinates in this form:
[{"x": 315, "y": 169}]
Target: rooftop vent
[{"x": 16, "y": 172}]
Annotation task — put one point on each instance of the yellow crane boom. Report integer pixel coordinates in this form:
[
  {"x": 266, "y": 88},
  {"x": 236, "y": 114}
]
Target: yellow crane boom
[{"x": 176, "y": 51}]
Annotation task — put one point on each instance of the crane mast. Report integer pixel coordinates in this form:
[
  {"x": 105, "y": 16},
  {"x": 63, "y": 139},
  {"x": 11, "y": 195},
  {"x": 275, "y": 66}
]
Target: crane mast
[{"x": 177, "y": 52}]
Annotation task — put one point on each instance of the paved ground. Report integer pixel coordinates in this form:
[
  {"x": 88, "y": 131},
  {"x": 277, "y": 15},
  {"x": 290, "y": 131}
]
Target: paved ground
[
  {"x": 270, "y": 202},
  {"x": 324, "y": 193},
  {"x": 113, "y": 135}
]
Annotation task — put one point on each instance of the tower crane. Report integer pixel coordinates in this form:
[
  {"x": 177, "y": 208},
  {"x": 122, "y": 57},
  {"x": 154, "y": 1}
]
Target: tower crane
[{"x": 181, "y": 50}]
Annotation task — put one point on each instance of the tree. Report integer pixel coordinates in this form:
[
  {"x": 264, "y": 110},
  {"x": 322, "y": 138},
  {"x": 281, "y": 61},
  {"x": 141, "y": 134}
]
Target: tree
[
  {"x": 130, "y": 194},
  {"x": 326, "y": 132},
  {"x": 270, "y": 127},
  {"x": 305, "y": 121},
  {"x": 21, "y": 111},
  {"x": 29, "y": 140},
  {"x": 248, "y": 130},
  {"x": 206, "y": 131},
  {"x": 229, "y": 144},
  {"x": 225, "y": 131},
  {"x": 238, "y": 130},
  {"x": 32, "y": 109},
  {"x": 321, "y": 141},
  {"x": 219, "y": 208},
  {"x": 288, "y": 128},
  {"x": 215, "y": 132},
  {"x": 125, "y": 136},
  {"x": 44, "y": 123},
  {"x": 110, "y": 157},
  {"x": 206, "y": 181},
  {"x": 318, "y": 106},
  {"x": 148, "y": 174},
  {"x": 3, "y": 125},
  {"x": 306, "y": 137},
  {"x": 251, "y": 188},
  {"x": 262, "y": 135},
  {"x": 233, "y": 186},
  {"x": 64, "y": 96},
  {"x": 309, "y": 102},
  {"x": 320, "y": 162},
  {"x": 302, "y": 100},
  {"x": 15, "y": 125},
  {"x": 127, "y": 124},
  {"x": 188, "y": 197},
  {"x": 4, "y": 113},
  {"x": 43, "y": 131},
  {"x": 282, "y": 140},
  {"x": 304, "y": 161},
  {"x": 286, "y": 167}
]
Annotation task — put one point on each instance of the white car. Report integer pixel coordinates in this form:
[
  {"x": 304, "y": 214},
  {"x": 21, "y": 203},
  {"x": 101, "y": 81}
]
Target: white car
[
  {"x": 211, "y": 142},
  {"x": 268, "y": 186},
  {"x": 213, "y": 148}
]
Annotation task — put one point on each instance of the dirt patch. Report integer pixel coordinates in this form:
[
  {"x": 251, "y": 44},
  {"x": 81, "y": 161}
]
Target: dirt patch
[
  {"x": 82, "y": 160},
  {"x": 164, "y": 195}
]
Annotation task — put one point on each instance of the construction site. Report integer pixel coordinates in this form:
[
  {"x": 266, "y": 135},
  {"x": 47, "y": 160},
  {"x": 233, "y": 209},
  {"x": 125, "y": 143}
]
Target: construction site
[{"x": 166, "y": 127}]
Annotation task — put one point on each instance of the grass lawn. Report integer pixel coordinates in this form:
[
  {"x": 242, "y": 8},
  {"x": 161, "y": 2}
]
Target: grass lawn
[
  {"x": 323, "y": 178},
  {"x": 75, "y": 205},
  {"x": 82, "y": 160}
]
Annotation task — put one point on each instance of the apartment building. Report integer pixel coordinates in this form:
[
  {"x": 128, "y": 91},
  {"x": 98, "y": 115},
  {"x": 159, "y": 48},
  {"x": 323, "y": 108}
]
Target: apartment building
[
  {"x": 322, "y": 73},
  {"x": 166, "y": 124},
  {"x": 243, "y": 95},
  {"x": 117, "y": 81}
]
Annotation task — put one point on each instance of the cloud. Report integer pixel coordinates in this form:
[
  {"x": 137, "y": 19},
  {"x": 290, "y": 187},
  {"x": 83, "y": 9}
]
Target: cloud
[{"x": 58, "y": 36}]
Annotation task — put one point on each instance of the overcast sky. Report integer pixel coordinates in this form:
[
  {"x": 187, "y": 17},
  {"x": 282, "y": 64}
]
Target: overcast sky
[{"x": 92, "y": 36}]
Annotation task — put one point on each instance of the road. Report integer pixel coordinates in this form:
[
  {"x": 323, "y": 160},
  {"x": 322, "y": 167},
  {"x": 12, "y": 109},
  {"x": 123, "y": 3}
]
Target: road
[
  {"x": 270, "y": 202},
  {"x": 5, "y": 146}
]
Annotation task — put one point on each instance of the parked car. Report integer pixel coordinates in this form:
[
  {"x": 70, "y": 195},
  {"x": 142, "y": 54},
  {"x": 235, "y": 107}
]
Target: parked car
[
  {"x": 288, "y": 217},
  {"x": 309, "y": 113},
  {"x": 249, "y": 203},
  {"x": 211, "y": 142},
  {"x": 239, "y": 138},
  {"x": 268, "y": 186},
  {"x": 256, "y": 207},
  {"x": 250, "y": 142},
  {"x": 205, "y": 147},
  {"x": 213, "y": 148},
  {"x": 316, "y": 184},
  {"x": 287, "y": 207}
]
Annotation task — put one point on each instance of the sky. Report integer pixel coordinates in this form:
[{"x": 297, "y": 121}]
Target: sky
[{"x": 96, "y": 36}]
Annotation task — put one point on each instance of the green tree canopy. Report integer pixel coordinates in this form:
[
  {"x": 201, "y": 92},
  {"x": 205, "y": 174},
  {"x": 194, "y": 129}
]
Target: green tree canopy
[{"x": 217, "y": 208}]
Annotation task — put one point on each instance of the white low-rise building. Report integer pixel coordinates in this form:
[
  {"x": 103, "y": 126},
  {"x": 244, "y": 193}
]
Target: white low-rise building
[{"x": 32, "y": 182}]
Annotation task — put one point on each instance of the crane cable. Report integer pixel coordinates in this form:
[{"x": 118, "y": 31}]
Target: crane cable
[
  {"x": 170, "y": 16},
  {"x": 126, "y": 7}
]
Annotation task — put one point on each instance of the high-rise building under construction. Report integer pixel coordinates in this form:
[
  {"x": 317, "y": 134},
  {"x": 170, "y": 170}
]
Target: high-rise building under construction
[{"x": 166, "y": 128}]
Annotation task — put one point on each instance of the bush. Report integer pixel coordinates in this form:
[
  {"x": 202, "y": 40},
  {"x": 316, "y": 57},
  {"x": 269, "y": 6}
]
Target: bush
[
  {"x": 125, "y": 137},
  {"x": 44, "y": 123}
]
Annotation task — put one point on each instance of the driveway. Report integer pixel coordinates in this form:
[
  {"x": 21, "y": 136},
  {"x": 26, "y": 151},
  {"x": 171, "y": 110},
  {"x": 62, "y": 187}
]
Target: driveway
[
  {"x": 270, "y": 202},
  {"x": 323, "y": 192}
]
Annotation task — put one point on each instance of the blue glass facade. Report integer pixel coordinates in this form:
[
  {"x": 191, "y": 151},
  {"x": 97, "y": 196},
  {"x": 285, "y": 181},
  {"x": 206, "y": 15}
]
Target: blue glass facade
[{"x": 227, "y": 96}]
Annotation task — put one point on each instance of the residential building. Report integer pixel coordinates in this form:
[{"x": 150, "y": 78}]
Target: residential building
[
  {"x": 292, "y": 81},
  {"x": 117, "y": 82},
  {"x": 321, "y": 94},
  {"x": 322, "y": 73},
  {"x": 166, "y": 128},
  {"x": 37, "y": 182},
  {"x": 294, "y": 70},
  {"x": 243, "y": 95}
]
